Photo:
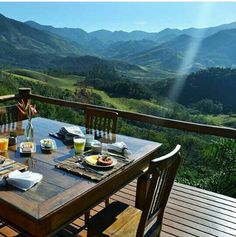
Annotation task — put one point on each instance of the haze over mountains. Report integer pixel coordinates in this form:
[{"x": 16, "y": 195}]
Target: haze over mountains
[{"x": 32, "y": 45}]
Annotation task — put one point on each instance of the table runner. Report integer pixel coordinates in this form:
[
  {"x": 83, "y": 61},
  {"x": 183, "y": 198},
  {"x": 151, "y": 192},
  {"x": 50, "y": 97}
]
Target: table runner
[{"x": 91, "y": 172}]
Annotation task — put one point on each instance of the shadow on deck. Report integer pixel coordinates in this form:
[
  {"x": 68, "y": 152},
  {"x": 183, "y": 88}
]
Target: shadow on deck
[{"x": 190, "y": 212}]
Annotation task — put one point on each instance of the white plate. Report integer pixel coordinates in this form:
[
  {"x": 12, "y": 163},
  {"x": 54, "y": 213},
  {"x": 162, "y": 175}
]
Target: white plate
[
  {"x": 54, "y": 146},
  {"x": 92, "y": 160},
  {"x": 31, "y": 146}
]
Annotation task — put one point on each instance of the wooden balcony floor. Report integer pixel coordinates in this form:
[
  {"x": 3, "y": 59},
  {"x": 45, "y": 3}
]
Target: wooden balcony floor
[{"x": 190, "y": 212}]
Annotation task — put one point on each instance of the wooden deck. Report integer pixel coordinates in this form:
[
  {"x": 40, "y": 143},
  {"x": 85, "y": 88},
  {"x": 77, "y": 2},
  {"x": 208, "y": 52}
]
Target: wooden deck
[{"x": 190, "y": 212}]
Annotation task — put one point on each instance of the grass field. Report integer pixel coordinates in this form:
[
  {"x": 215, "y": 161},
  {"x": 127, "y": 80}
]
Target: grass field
[{"x": 64, "y": 82}]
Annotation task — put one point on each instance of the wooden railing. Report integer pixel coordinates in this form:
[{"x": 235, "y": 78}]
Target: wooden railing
[{"x": 25, "y": 93}]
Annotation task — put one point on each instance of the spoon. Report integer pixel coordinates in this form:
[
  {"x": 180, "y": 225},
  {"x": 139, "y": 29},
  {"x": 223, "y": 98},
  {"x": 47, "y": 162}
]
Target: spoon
[{"x": 2, "y": 161}]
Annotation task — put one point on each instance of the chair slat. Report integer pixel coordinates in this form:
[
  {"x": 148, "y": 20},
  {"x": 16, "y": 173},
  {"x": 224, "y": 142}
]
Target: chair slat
[{"x": 9, "y": 115}]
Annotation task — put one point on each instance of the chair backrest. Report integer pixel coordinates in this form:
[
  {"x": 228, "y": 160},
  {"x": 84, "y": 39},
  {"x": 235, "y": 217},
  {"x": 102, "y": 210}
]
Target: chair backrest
[
  {"x": 160, "y": 178},
  {"x": 99, "y": 120},
  {"x": 8, "y": 114},
  {"x": 10, "y": 119}
]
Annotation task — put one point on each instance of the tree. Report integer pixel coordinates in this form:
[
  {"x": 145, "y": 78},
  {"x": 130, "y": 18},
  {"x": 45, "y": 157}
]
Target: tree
[
  {"x": 207, "y": 106},
  {"x": 222, "y": 153}
]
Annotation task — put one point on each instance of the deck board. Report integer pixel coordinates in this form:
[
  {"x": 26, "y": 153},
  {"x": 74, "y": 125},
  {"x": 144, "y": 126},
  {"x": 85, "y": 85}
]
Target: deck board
[{"x": 190, "y": 212}]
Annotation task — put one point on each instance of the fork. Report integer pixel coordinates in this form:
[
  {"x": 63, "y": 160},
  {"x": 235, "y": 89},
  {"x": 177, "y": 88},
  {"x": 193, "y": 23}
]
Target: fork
[{"x": 80, "y": 165}]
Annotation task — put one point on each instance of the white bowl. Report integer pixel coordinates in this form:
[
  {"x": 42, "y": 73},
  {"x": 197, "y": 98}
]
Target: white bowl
[{"x": 96, "y": 147}]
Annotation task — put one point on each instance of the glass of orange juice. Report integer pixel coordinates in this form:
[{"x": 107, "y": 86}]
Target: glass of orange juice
[
  {"x": 4, "y": 139},
  {"x": 79, "y": 144}
]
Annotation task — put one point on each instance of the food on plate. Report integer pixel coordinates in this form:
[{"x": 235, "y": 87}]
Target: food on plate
[
  {"x": 47, "y": 143},
  {"x": 27, "y": 146},
  {"x": 104, "y": 160}
]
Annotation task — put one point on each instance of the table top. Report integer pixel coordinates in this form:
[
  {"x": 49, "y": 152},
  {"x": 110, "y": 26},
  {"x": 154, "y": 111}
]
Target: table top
[{"x": 61, "y": 196}]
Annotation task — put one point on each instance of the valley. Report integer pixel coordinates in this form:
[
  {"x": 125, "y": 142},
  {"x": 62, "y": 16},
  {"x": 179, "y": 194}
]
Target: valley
[{"x": 155, "y": 106}]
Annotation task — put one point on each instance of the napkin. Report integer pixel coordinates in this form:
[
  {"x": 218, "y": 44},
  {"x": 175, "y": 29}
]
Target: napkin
[
  {"x": 23, "y": 180},
  {"x": 72, "y": 131},
  {"x": 66, "y": 134},
  {"x": 119, "y": 147}
]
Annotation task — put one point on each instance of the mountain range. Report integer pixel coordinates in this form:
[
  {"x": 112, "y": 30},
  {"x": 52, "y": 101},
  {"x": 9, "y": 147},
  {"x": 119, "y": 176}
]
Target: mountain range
[
  {"x": 107, "y": 37},
  {"x": 32, "y": 45}
]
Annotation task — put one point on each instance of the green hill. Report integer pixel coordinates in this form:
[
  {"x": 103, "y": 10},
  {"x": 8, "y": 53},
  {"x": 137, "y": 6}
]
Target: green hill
[
  {"x": 63, "y": 82},
  {"x": 215, "y": 50},
  {"x": 215, "y": 84},
  {"x": 22, "y": 45}
]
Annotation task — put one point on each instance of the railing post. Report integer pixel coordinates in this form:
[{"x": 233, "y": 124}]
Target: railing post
[{"x": 24, "y": 93}]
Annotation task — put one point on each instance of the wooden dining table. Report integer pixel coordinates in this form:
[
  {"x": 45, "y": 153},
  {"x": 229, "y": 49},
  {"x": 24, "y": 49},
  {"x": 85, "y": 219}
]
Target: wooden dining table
[{"x": 61, "y": 196}]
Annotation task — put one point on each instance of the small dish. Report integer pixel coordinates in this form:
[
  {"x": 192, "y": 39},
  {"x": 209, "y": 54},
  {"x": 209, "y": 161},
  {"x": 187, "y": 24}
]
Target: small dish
[
  {"x": 27, "y": 147},
  {"x": 92, "y": 160},
  {"x": 96, "y": 146},
  {"x": 48, "y": 144}
]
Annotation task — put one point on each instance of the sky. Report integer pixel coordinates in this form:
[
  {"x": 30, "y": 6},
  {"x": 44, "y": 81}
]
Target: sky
[{"x": 126, "y": 16}]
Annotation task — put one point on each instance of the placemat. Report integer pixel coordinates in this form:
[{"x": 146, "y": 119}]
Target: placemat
[
  {"x": 11, "y": 165},
  {"x": 93, "y": 173}
]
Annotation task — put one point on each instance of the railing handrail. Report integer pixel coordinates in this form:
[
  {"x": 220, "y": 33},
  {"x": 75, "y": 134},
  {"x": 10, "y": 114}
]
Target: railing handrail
[
  {"x": 163, "y": 122},
  {"x": 4, "y": 98}
]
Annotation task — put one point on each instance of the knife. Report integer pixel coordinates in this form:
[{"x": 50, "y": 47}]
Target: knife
[
  {"x": 6, "y": 167},
  {"x": 118, "y": 155}
]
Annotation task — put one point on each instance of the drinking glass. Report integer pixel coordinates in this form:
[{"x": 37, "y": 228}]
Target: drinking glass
[
  {"x": 104, "y": 149},
  {"x": 4, "y": 139},
  {"x": 79, "y": 144},
  {"x": 89, "y": 139}
]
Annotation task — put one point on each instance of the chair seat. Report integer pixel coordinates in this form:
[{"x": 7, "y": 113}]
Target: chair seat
[{"x": 117, "y": 220}]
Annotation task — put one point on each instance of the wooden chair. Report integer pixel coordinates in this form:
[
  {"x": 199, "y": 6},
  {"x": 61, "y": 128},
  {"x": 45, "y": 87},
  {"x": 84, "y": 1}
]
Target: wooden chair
[
  {"x": 101, "y": 123},
  {"x": 121, "y": 220}
]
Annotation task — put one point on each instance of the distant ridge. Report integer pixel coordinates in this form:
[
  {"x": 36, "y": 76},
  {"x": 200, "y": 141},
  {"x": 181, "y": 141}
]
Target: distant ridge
[
  {"x": 107, "y": 36},
  {"x": 164, "y": 50},
  {"x": 213, "y": 51},
  {"x": 23, "y": 37},
  {"x": 25, "y": 46}
]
